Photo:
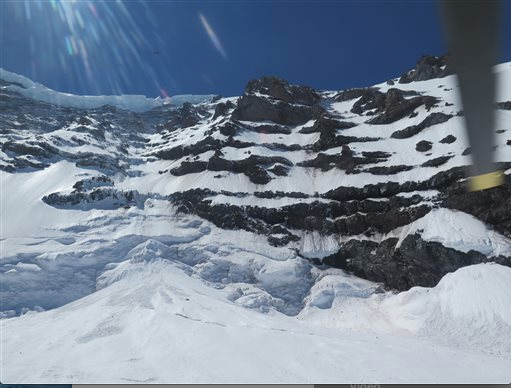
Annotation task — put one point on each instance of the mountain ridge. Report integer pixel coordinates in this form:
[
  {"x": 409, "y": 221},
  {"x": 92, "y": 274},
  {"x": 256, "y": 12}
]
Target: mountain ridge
[{"x": 337, "y": 178}]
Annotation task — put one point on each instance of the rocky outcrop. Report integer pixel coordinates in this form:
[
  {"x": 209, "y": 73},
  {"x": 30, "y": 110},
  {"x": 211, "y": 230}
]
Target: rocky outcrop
[
  {"x": 328, "y": 138},
  {"x": 388, "y": 170},
  {"x": 435, "y": 162},
  {"x": 222, "y": 108},
  {"x": 342, "y": 218},
  {"x": 328, "y": 124},
  {"x": 427, "y": 67},
  {"x": 391, "y": 106},
  {"x": 255, "y": 167},
  {"x": 256, "y": 108},
  {"x": 432, "y": 119},
  {"x": 423, "y": 146},
  {"x": 38, "y": 149},
  {"x": 273, "y": 99},
  {"x": 281, "y": 90},
  {"x": 346, "y": 160},
  {"x": 415, "y": 262},
  {"x": 492, "y": 206},
  {"x": 448, "y": 139},
  {"x": 350, "y": 94},
  {"x": 97, "y": 198},
  {"x": 186, "y": 116}
]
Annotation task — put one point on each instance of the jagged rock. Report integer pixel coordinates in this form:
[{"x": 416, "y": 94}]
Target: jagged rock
[
  {"x": 328, "y": 139},
  {"x": 350, "y": 94},
  {"x": 432, "y": 119},
  {"x": 415, "y": 263},
  {"x": 99, "y": 198},
  {"x": 344, "y": 161},
  {"x": 254, "y": 167},
  {"x": 325, "y": 123},
  {"x": 222, "y": 108},
  {"x": 390, "y": 106},
  {"x": 255, "y": 108},
  {"x": 508, "y": 142},
  {"x": 186, "y": 116},
  {"x": 42, "y": 149},
  {"x": 388, "y": 170},
  {"x": 448, "y": 139},
  {"x": 270, "y": 129},
  {"x": 423, "y": 146},
  {"x": 189, "y": 168},
  {"x": 376, "y": 154},
  {"x": 280, "y": 89},
  {"x": 437, "y": 161},
  {"x": 279, "y": 194},
  {"x": 101, "y": 162},
  {"x": 427, "y": 67},
  {"x": 91, "y": 183},
  {"x": 492, "y": 206},
  {"x": 468, "y": 151}
]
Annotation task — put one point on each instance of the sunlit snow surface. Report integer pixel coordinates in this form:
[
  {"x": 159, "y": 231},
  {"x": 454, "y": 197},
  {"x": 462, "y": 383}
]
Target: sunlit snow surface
[{"x": 146, "y": 295}]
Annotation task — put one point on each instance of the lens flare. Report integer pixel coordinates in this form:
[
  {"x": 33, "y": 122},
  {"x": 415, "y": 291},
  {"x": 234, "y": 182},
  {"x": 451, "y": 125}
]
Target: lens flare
[
  {"x": 98, "y": 44},
  {"x": 212, "y": 35}
]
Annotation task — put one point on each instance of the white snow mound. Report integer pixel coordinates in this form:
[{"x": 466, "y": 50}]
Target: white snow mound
[
  {"x": 470, "y": 308},
  {"x": 458, "y": 230}
]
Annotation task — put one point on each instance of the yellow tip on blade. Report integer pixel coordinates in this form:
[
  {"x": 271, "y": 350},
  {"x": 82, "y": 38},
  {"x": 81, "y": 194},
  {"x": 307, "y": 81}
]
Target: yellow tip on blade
[{"x": 485, "y": 181}]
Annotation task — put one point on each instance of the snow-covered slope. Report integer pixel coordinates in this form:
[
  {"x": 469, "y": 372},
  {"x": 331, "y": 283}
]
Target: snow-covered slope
[
  {"x": 158, "y": 325},
  {"x": 265, "y": 233}
]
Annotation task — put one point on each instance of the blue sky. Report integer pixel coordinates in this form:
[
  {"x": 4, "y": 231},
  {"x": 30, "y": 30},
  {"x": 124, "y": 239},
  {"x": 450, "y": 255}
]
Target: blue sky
[{"x": 174, "y": 47}]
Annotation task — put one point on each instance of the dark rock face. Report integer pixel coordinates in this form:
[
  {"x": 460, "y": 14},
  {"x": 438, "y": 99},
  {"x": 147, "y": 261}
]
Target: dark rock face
[
  {"x": 189, "y": 168},
  {"x": 40, "y": 149},
  {"x": 280, "y": 89},
  {"x": 423, "y": 146},
  {"x": 432, "y": 119},
  {"x": 414, "y": 263},
  {"x": 345, "y": 161},
  {"x": 448, "y": 139},
  {"x": 103, "y": 162},
  {"x": 269, "y": 129},
  {"x": 98, "y": 198},
  {"x": 254, "y": 167},
  {"x": 388, "y": 170},
  {"x": 345, "y": 218},
  {"x": 391, "y": 106},
  {"x": 92, "y": 183},
  {"x": 492, "y": 206},
  {"x": 285, "y": 104},
  {"x": 327, "y": 124},
  {"x": 255, "y": 108},
  {"x": 186, "y": 116},
  {"x": 350, "y": 94},
  {"x": 437, "y": 161},
  {"x": 329, "y": 139},
  {"x": 222, "y": 108},
  {"x": 427, "y": 67}
]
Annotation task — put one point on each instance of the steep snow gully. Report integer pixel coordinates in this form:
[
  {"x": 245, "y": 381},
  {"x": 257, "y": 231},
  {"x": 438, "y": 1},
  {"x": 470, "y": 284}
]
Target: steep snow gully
[{"x": 288, "y": 235}]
